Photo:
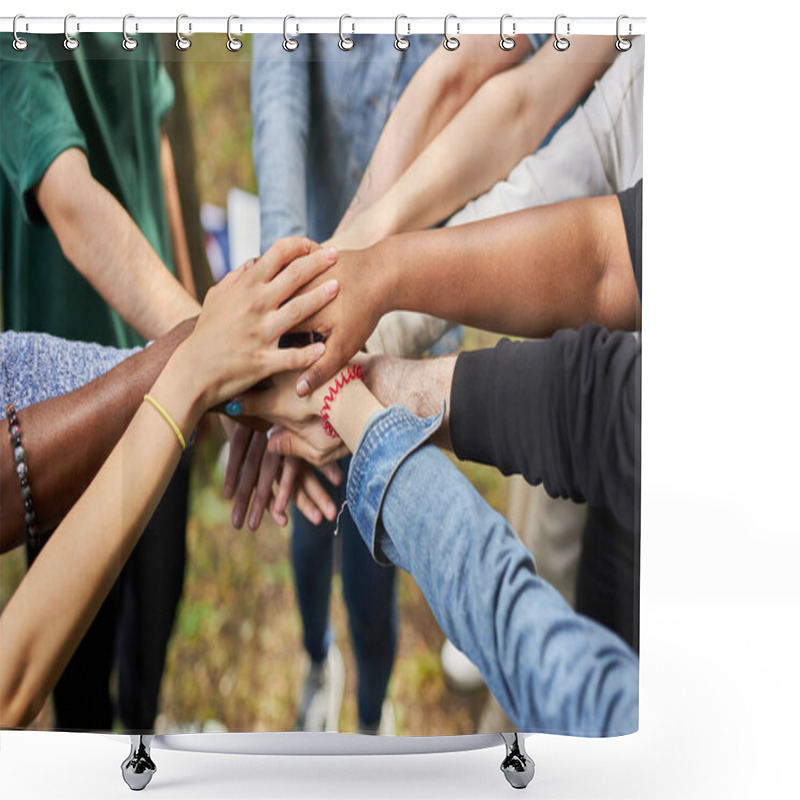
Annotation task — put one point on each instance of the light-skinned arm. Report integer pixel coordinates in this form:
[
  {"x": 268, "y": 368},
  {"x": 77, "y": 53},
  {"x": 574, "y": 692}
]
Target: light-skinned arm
[
  {"x": 524, "y": 274},
  {"x": 233, "y": 345},
  {"x": 180, "y": 247},
  {"x": 438, "y": 91},
  {"x": 506, "y": 119},
  {"x": 98, "y": 236}
]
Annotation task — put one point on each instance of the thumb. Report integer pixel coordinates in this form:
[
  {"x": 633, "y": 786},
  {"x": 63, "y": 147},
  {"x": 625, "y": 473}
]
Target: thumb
[{"x": 323, "y": 370}]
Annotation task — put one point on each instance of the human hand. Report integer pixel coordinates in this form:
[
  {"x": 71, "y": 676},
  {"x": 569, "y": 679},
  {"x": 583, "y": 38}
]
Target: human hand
[
  {"x": 298, "y": 429},
  {"x": 251, "y": 475},
  {"x": 346, "y": 323},
  {"x": 235, "y": 341}
]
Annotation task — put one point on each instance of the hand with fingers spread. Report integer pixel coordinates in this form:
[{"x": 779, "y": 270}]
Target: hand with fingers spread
[
  {"x": 265, "y": 481},
  {"x": 256, "y": 304}
]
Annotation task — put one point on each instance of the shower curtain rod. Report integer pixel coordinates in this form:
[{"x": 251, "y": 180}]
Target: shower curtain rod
[{"x": 406, "y": 25}]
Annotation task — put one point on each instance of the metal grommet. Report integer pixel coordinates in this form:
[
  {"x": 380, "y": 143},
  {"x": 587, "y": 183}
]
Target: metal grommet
[
  {"x": 19, "y": 44},
  {"x": 345, "y": 42},
  {"x": 233, "y": 44},
  {"x": 506, "y": 42},
  {"x": 401, "y": 42},
  {"x": 70, "y": 42},
  {"x": 623, "y": 44},
  {"x": 181, "y": 42},
  {"x": 560, "y": 43},
  {"x": 127, "y": 42},
  {"x": 451, "y": 43},
  {"x": 289, "y": 44}
]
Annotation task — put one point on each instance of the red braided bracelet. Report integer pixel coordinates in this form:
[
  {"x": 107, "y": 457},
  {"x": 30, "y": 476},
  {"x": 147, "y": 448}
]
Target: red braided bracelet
[{"x": 353, "y": 372}]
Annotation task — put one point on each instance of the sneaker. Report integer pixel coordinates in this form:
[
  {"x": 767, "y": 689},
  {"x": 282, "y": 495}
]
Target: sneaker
[
  {"x": 387, "y": 726},
  {"x": 461, "y": 674},
  {"x": 323, "y": 689}
]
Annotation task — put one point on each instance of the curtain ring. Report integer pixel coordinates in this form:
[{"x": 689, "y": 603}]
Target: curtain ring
[
  {"x": 345, "y": 42},
  {"x": 560, "y": 42},
  {"x": 451, "y": 43},
  {"x": 181, "y": 42},
  {"x": 70, "y": 42},
  {"x": 506, "y": 42},
  {"x": 289, "y": 44},
  {"x": 401, "y": 42},
  {"x": 233, "y": 44},
  {"x": 19, "y": 44},
  {"x": 623, "y": 44},
  {"x": 128, "y": 43}
]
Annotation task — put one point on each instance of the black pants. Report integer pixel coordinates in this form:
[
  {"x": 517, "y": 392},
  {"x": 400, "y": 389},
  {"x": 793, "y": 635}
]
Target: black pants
[
  {"x": 132, "y": 628},
  {"x": 608, "y": 575}
]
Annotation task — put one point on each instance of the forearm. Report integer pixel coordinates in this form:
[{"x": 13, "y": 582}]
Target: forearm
[
  {"x": 550, "y": 669},
  {"x": 509, "y": 116},
  {"x": 564, "y": 412},
  {"x": 68, "y": 438},
  {"x": 74, "y": 573},
  {"x": 180, "y": 247},
  {"x": 436, "y": 93},
  {"x": 527, "y": 274},
  {"x": 104, "y": 244},
  {"x": 421, "y": 385}
]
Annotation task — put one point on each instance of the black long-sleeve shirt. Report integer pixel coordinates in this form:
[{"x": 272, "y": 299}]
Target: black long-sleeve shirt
[{"x": 564, "y": 412}]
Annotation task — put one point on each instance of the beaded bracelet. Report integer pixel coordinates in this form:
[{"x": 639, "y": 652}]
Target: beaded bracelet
[
  {"x": 353, "y": 372},
  {"x": 21, "y": 465}
]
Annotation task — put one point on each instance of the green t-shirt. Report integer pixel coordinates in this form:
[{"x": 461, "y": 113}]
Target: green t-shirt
[{"x": 109, "y": 103}]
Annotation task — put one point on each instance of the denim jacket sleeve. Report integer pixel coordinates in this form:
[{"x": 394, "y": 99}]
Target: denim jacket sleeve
[
  {"x": 279, "y": 100},
  {"x": 552, "y": 670}
]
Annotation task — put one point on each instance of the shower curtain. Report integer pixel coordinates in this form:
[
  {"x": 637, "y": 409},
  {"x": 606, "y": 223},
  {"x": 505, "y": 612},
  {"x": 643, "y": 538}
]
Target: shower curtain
[{"x": 472, "y": 193}]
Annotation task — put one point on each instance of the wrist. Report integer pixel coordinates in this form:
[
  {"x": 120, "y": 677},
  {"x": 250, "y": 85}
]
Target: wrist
[
  {"x": 182, "y": 388},
  {"x": 348, "y": 408},
  {"x": 385, "y": 276}
]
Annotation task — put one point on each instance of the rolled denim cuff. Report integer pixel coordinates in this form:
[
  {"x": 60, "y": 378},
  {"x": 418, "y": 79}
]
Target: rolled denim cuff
[{"x": 389, "y": 438}]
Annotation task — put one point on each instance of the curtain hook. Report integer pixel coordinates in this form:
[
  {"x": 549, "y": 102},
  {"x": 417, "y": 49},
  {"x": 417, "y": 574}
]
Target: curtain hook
[
  {"x": 345, "y": 42},
  {"x": 623, "y": 44},
  {"x": 506, "y": 42},
  {"x": 70, "y": 42},
  {"x": 181, "y": 42},
  {"x": 289, "y": 44},
  {"x": 128, "y": 43},
  {"x": 401, "y": 42},
  {"x": 19, "y": 44},
  {"x": 233, "y": 44},
  {"x": 451, "y": 43},
  {"x": 560, "y": 42}
]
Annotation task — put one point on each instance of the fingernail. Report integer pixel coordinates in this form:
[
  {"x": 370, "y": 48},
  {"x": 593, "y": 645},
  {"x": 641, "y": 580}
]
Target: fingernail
[
  {"x": 233, "y": 409},
  {"x": 331, "y": 254},
  {"x": 331, "y": 287},
  {"x": 306, "y": 242},
  {"x": 228, "y": 490},
  {"x": 331, "y": 512},
  {"x": 303, "y": 387},
  {"x": 237, "y": 519},
  {"x": 319, "y": 349}
]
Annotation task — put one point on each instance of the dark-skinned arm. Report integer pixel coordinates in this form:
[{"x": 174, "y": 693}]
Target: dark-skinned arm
[
  {"x": 524, "y": 274},
  {"x": 67, "y": 438}
]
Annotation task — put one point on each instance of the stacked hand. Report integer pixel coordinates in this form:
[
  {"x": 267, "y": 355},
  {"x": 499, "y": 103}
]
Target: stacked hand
[{"x": 236, "y": 339}]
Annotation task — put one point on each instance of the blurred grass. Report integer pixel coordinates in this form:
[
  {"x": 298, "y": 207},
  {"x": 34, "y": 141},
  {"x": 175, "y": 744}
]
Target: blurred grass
[{"x": 236, "y": 653}]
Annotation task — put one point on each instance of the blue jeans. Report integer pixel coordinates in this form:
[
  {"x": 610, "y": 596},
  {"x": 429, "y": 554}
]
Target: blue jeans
[
  {"x": 369, "y": 595},
  {"x": 552, "y": 670}
]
